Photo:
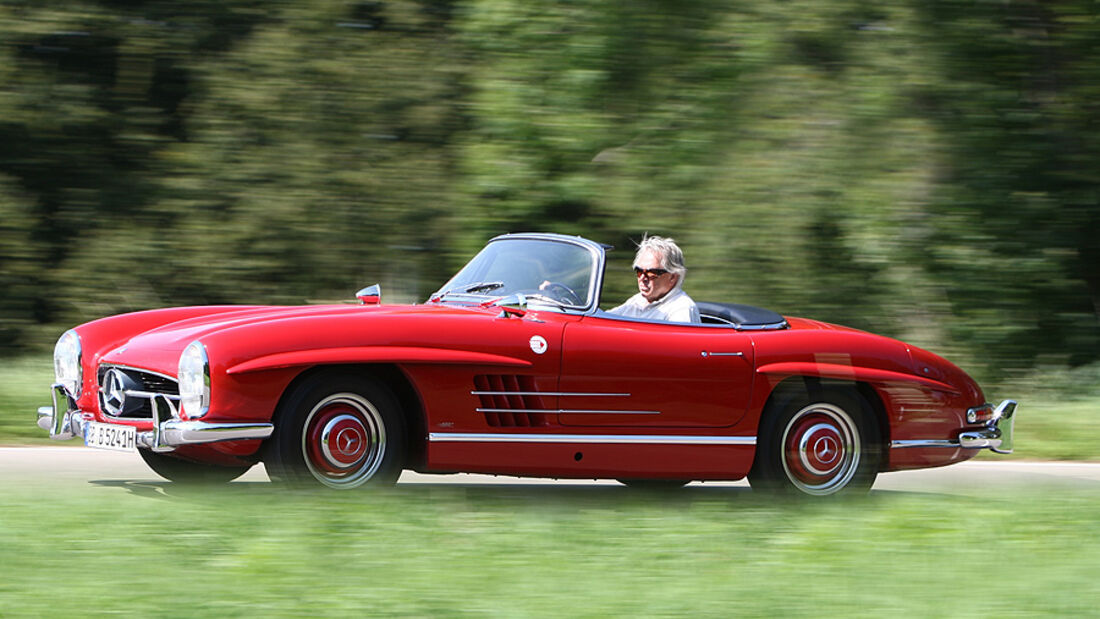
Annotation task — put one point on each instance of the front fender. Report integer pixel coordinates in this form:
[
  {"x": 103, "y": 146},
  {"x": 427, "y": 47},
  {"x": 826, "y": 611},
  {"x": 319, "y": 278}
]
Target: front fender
[{"x": 373, "y": 354}]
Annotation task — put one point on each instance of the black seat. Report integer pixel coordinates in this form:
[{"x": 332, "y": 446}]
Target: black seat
[{"x": 740, "y": 316}]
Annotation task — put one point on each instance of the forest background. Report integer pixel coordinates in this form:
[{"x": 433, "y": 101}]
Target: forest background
[{"x": 925, "y": 169}]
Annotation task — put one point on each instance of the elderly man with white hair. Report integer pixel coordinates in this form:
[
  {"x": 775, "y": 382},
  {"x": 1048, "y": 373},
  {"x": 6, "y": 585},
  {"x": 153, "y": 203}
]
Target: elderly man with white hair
[{"x": 659, "y": 267}]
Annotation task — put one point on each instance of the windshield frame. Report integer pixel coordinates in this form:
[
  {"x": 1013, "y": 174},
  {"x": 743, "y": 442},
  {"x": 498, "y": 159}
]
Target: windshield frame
[{"x": 595, "y": 282}]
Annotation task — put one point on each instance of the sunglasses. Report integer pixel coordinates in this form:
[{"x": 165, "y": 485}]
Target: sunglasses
[{"x": 650, "y": 273}]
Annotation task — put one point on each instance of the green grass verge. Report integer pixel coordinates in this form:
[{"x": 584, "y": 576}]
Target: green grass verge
[
  {"x": 24, "y": 386},
  {"x": 250, "y": 550},
  {"x": 1059, "y": 417}
]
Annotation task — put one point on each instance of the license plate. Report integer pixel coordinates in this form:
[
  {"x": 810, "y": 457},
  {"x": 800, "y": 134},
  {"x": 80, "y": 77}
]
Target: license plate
[{"x": 110, "y": 436}]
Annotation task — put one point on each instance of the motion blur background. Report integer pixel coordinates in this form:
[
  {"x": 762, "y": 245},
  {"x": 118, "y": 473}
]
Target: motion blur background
[{"x": 926, "y": 169}]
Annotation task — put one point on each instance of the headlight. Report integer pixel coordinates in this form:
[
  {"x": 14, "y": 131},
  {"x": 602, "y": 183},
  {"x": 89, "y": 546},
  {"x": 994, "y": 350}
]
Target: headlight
[
  {"x": 66, "y": 363},
  {"x": 194, "y": 381}
]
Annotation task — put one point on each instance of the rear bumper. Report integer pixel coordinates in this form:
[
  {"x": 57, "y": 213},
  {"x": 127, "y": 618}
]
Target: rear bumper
[
  {"x": 64, "y": 421},
  {"x": 997, "y": 435}
]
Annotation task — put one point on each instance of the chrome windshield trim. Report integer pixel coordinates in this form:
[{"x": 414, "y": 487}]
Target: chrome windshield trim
[
  {"x": 564, "y": 411},
  {"x": 609, "y": 439},
  {"x": 595, "y": 279}
]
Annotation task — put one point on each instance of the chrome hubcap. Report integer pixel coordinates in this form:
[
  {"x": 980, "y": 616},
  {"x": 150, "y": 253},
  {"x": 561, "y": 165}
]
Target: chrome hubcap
[
  {"x": 821, "y": 449},
  {"x": 344, "y": 440}
]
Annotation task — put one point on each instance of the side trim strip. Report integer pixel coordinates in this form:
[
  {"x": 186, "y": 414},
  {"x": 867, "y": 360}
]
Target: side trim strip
[
  {"x": 562, "y": 411},
  {"x": 552, "y": 393},
  {"x": 924, "y": 443},
  {"x": 607, "y": 439}
]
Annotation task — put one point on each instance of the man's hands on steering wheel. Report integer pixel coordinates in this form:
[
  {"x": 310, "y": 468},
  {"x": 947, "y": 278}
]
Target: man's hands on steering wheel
[{"x": 560, "y": 292}]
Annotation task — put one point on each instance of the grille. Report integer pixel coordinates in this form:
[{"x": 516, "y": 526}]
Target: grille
[
  {"x": 134, "y": 407},
  {"x": 511, "y": 401}
]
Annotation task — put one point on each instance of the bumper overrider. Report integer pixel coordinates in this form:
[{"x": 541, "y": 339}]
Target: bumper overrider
[
  {"x": 995, "y": 436},
  {"x": 64, "y": 421}
]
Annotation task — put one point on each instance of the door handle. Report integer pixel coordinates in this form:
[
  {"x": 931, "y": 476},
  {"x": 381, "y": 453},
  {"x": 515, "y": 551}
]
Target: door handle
[{"x": 722, "y": 354}]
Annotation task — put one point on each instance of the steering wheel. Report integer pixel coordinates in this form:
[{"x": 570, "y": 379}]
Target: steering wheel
[{"x": 561, "y": 292}]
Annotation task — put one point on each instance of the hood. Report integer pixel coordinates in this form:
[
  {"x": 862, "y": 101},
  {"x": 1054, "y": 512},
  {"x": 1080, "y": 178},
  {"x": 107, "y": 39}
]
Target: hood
[{"x": 158, "y": 349}]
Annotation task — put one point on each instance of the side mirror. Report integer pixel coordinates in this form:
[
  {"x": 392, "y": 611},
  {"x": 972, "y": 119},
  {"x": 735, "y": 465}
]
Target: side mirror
[{"x": 371, "y": 295}]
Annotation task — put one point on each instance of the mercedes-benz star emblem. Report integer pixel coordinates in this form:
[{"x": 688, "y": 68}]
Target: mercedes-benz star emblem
[
  {"x": 347, "y": 441},
  {"x": 826, "y": 449},
  {"x": 114, "y": 392}
]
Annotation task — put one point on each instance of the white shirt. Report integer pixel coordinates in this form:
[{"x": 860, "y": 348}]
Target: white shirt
[{"x": 676, "y": 306}]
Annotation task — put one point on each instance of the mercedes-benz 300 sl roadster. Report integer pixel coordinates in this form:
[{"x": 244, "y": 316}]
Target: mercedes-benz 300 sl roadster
[{"x": 512, "y": 368}]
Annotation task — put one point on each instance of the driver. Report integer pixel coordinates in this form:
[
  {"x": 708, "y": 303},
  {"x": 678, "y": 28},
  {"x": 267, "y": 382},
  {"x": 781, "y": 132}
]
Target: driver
[{"x": 659, "y": 267}]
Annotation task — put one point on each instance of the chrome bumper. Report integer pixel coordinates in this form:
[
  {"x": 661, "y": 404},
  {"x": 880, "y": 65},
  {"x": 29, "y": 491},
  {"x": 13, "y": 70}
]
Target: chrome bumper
[
  {"x": 64, "y": 421},
  {"x": 995, "y": 436}
]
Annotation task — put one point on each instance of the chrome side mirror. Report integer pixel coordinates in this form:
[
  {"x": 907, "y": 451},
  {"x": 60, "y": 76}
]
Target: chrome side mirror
[{"x": 371, "y": 295}]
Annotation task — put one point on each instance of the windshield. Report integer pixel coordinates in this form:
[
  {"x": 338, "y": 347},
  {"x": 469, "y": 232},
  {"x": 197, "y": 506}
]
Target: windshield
[{"x": 559, "y": 271}]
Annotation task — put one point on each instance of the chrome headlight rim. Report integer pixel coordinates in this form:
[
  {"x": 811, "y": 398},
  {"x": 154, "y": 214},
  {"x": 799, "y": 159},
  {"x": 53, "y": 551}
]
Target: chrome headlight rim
[
  {"x": 193, "y": 378},
  {"x": 68, "y": 363}
]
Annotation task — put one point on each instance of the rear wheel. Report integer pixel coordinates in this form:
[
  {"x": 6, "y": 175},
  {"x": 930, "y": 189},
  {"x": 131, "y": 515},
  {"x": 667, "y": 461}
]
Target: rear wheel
[
  {"x": 187, "y": 472},
  {"x": 818, "y": 446},
  {"x": 338, "y": 430}
]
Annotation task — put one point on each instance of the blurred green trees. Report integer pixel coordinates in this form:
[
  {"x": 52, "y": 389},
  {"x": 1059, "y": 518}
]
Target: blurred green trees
[{"x": 923, "y": 169}]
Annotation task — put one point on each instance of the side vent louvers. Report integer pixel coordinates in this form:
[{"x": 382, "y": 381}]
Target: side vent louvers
[{"x": 508, "y": 401}]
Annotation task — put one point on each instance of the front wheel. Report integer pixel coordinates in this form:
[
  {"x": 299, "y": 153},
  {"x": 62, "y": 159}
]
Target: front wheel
[
  {"x": 818, "y": 446},
  {"x": 187, "y": 472},
  {"x": 339, "y": 430}
]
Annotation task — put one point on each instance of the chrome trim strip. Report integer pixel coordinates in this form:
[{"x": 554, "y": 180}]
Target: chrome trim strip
[
  {"x": 177, "y": 433},
  {"x": 607, "y": 439},
  {"x": 552, "y": 393},
  {"x": 574, "y": 411},
  {"x": 149, "y": 395},
  {"x": 563, "y": 411},
  {"x": 132, "y": 369},
  {"x": 978, "y": 439},
  {"x": 924, "y": 443},
  {"x": 772, "y": 326}
]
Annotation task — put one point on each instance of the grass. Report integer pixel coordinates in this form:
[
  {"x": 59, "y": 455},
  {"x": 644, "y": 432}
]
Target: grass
[
  {"x": 251, "y": 550},
  {"x": 1059, "y": 415},
  {"x": 24, "y": 386}
]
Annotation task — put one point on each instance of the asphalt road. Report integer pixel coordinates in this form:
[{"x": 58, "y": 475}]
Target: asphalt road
[{"x": 54, "y": 466}]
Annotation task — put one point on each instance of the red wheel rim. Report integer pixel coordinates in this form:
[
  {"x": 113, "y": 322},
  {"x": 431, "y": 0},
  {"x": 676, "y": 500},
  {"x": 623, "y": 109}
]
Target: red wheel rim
[
  {"x": 343, "y": 440},
  {"x": 821, "y": 449}
]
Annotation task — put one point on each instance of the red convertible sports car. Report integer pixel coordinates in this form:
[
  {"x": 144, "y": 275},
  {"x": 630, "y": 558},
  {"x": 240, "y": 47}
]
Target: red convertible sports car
[{"x": 513, "y": 369}]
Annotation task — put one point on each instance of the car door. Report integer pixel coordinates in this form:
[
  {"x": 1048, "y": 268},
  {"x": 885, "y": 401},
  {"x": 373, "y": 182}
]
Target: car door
[{"x": 618, "y": 372}]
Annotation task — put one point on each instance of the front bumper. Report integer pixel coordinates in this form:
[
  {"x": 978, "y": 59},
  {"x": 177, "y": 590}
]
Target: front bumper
[
  {"x": 995, "y": 436},
  {"x": 64, "y": 421}
]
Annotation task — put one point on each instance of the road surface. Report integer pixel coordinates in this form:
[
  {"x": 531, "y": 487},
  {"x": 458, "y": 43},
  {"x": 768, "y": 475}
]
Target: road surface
[{"x": 47, "y": 466}]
